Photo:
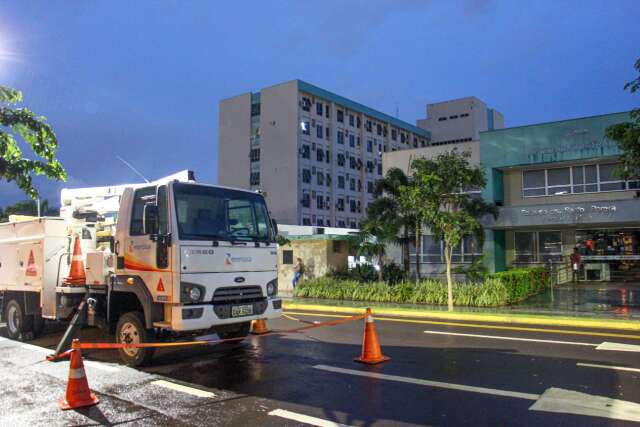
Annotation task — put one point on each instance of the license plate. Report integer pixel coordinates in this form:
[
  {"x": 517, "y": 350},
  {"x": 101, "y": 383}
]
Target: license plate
[{"x": 241, "y": 310}]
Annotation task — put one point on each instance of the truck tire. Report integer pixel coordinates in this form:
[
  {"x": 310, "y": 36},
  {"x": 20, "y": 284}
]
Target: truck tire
[
  {"x": 240, "y": 330},
  {"x": 19, "y": 325},
  {"x": 130, "y": 329}
]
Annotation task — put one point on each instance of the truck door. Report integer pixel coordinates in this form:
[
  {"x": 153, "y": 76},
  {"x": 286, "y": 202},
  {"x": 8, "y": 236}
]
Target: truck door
[{"x": 145, "y": 255}]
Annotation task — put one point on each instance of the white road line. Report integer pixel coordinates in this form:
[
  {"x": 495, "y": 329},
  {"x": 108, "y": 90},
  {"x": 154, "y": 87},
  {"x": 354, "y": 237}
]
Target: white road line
[
  {"x": 618, "y": 346},
  {"x": 305, "y": 418},
  {"x": 495, "y": 337},
  {"x": 461, "y": 387},
  {"x": 573, "y": 402},
  {"x": 183, "y": 388},
  {"x": 615, "y": 368},
  {"x": 4, "y": 339}
]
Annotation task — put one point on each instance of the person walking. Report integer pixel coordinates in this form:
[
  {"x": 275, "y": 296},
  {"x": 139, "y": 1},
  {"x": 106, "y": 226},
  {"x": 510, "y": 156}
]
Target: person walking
[
  {"x": 575, "y": 265},
  {"x": 298, "y": 270}
]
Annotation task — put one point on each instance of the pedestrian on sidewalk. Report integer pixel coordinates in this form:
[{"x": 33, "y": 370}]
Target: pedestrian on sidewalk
[
  {"x": 575, "y": 265},
  {"x": 298, "y": 270}
]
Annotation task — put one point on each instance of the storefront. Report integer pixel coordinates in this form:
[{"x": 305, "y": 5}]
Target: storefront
[{"x": 557, "y": 190}]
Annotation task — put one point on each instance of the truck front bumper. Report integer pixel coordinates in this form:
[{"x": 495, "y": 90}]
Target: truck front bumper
[{"x": 200, "y": 317}]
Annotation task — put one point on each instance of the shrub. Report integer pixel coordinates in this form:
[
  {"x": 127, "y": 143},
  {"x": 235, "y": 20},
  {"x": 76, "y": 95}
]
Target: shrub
[
  {"x": 497, "y": 289},
  {"x": 392, "y": 273}
]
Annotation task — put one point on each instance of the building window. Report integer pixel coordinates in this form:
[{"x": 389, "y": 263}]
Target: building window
[
  {"x": 352, "y": 205},
  {"x": 368, "y": 125},
  {"x": 341, "y": 223},
  {"x": 352, "y": 184},
  {"x": 328, "y": 156},
  {"x": 306, "y": 128},
  {"x": 341, "y": 159},
  {"x": 537, "y": 246},
  {"x": 340, "y": 181},
  {"x": 254, "y": 178},
  {"x": 402, "y": 138},
  {"x": 327, "y": 112},
  {"x": 319, "y": 108},
  {"x": 287, "y": 257},
  {"x": 453, "y": 117},
  {"x": 319, "y": 132},
  {"x": 369, "y": 187},
  {"x": 320, "y": 178},
  {"x": 319, "y": 201},
  {"x": 574, "y": 179},
  {"x": 327, "y": 133},
  {"x": 353, "y": 224},
  {"x": 255, "y": 110},
  {"x": 442, "y": 119},
  {"x": 320, "y": 155},
  {"x": 433, "y": 250},
  {"x": 306, "y": 221},
  {"x": 394, "y": 134},
  {"x": 379, "y": 168},
  {"x": 351, "y": 120},
  {"x": 369, "y": 166},
  {"x": 340, "y": 117},
  {"x": 379, "y": 129},
  {"x": 254, "y": 155},
  {"x": 306, "y": 200},
  {"x": 358, "y": 122},
  {"x": 352, "y": 141},
  {"x": 336, "y": 246},
  {"x": 306, "y": 176},
  {"x": 340, "y": 137},
  {"x": 340, "y": 204},
  {"x": 328, "y": 179},
  {"x": 369, "y": 146},
  {"x": 306, "y": 152},
  {"x": 305, "y": 103}
]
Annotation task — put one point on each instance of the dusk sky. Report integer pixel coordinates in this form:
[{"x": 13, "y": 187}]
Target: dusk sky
[{"x": 143, "y": 79}]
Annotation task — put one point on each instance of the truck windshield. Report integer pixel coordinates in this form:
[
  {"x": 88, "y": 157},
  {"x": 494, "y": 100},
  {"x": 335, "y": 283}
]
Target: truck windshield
[{"x": 209, "y": 213}]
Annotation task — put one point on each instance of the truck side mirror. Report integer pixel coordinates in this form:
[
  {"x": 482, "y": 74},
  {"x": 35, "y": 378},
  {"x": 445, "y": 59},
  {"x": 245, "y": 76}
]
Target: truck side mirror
[
  {"x": 274, "y": 224},
  {"x": 150, "y": 219}
]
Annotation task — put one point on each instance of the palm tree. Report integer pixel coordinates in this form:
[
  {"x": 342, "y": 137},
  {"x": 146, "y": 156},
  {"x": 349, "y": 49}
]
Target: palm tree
[
  {"x": 387, "y": 209},
  {"x": 373, "y": 238}
]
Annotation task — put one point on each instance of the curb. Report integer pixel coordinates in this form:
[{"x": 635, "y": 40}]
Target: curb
[{"x": 576, "y": 322}]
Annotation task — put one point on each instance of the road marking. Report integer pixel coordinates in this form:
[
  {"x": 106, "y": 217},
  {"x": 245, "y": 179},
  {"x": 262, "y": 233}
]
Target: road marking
[
  {"x": 428, "y": 383},
  {"x": 4, "y": 339},
  {"x": 618, "y": 347},
  {"x": 183, "y": 388},
  {"x": 552, "y": 400},
  {"x": 511, "y": 338},
  {"x": 305, "y": 418},
  {"x": 573, "y": 402},
  {"x": 615, "y": 368},
  {"x": 475, "y": 325}
]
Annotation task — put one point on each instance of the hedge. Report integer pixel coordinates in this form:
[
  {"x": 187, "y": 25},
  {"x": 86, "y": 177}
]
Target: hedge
[{"x": 497, "y": 289}]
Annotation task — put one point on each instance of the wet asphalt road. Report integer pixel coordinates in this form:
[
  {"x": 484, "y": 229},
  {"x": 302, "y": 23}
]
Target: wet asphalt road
[{"x": 261, "y": 375}]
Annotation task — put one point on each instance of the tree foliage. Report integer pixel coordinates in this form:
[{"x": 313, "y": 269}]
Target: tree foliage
[
  {"x": 21, "y": 123},
  {"x": 27, "y": 207},
  {"x": 440, "y": 196},
  {"x": 627, "y": 136}
]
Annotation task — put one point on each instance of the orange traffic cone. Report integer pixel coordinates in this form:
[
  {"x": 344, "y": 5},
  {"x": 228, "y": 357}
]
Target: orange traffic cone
[
  {"x": 78, "y": 392},
  {"x": 371, "y": 353},
  {"x": 76, "y": 271},
  {"x": 259, "y": 327}
]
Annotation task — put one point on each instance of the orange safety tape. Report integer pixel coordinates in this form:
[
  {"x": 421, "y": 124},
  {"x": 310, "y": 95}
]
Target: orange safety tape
[{"x": 115, "y": 346}]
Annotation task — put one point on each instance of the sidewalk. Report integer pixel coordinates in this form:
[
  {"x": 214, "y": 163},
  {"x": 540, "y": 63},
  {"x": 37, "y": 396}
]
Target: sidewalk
[{"x": 592, "y": 304}]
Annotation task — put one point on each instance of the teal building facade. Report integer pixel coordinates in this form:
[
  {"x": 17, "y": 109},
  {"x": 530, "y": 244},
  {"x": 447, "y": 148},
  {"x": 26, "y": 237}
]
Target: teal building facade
[{"x": 557, "y": 191}]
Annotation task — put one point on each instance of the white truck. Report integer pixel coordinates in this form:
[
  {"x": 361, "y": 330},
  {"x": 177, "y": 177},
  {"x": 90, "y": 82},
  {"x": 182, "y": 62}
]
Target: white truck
[{"x": 162, "y": 259}]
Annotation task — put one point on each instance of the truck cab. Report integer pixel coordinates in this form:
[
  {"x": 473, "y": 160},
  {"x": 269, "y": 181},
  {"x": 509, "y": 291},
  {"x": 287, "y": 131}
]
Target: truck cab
[{"x": 191, "y": 257}]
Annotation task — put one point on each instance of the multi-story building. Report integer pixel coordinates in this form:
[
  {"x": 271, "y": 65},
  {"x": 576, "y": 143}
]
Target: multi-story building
[
  {"x": 315, "y": 154},
  {"x": 460, "y": 120}
]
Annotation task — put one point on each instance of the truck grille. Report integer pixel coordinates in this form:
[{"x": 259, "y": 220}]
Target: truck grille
[{"x": 237, "y": 294}]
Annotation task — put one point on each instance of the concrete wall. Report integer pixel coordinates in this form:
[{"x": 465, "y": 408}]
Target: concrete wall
[
  {"x": 318, "y": 258},
  {"x": 233, "y": 141},
  {"x": 279, "y": 150},
  {"x": 402, "y": 159}
]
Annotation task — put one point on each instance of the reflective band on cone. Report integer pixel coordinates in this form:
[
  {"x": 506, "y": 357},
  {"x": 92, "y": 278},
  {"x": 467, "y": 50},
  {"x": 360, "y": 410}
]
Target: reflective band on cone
[
  {"x": 78, "y": 394},
  {"x": 371, "y": 352}
]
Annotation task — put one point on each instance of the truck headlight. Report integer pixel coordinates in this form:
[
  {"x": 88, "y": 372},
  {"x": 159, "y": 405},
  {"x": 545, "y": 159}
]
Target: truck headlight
[
  {"x": 195, "y": 294},
  {"x": 190, "y": 292},
  {"x": 272, "y": 288}
]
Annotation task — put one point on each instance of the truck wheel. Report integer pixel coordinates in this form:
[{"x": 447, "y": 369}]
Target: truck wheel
[
  {"x": 19, "y": 325},
  {"x": 240, "y": 330},
  {"x": 131, "y": 330}
]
